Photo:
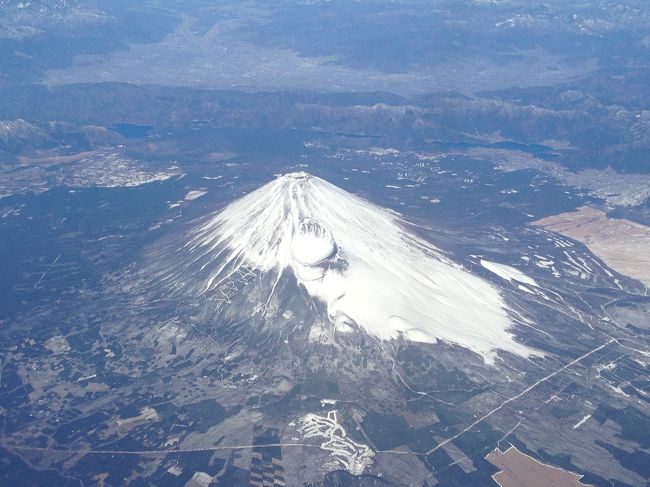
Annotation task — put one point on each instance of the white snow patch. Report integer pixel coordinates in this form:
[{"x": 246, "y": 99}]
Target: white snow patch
[
  {"x": 525, "y": 289},
  {"x": 581, "y": 422},
  {"x": 197, "y": 193},
  {"x": 357, "y": 258},
  {"x": 508, "y": 273}
]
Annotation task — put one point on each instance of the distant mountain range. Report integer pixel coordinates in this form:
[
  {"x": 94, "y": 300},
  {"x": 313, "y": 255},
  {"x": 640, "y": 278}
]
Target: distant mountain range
[{"x": 577, "y": 125}]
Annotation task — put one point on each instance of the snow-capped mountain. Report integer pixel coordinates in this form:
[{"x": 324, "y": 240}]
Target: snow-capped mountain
[
  {"x": 29, "y": 18},
  {"x": 15, "y": 134},
  {"x": 38, "y": 6},
  {"x": 362, "y": 262}
]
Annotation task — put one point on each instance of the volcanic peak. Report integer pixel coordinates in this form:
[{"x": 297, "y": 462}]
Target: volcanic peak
[{"x": 357, "y": 258}]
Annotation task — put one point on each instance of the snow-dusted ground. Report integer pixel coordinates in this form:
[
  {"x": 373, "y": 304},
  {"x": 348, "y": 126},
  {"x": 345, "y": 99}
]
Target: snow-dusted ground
[
  {"x": 349, "y": 454},
  {"x": 103, "y": 169},
  {"x": 359, "y": 259},
  {"x": 112, "y": 170}
]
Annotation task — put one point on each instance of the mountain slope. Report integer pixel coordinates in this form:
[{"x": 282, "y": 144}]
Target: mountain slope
[{"x": 359, "y": 260}]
